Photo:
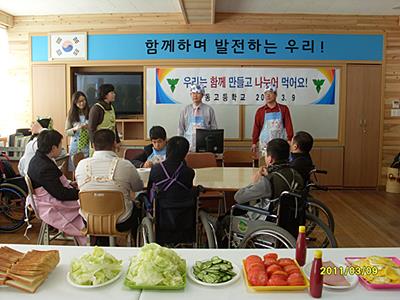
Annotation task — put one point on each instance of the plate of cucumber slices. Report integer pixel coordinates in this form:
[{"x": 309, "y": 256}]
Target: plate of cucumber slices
[{"x": 214, "y": 272}]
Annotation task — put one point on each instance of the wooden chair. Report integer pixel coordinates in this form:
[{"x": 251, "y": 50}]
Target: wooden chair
[
  {"x": 207, "y": 160},
  {"x": 44, "y": 237},
  {"x": 132, "y": 153},
  {"x": 238, "y": 159},
  {"x": 102, "y": 210}
]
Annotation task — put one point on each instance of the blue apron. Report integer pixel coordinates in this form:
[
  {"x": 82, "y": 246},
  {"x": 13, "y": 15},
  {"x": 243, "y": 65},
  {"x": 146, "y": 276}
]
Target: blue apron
[
  {"x": 194, "y": 123},
  {"x": 273, "y": 128}
]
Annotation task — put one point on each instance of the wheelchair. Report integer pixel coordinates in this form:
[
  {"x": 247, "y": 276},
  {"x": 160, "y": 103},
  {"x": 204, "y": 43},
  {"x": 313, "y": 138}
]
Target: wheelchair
[
  {"x": 275, "y": 228},
  {"x": 12, "y": 205},
  {"x": 173, "y": 223},
  {"x": 315, "y": 206}
]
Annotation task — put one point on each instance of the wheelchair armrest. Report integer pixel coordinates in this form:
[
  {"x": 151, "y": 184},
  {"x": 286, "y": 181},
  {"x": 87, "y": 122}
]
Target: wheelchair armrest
[
  {"x": 290, "y": 194},
  {"x": 251, "y": 209}
]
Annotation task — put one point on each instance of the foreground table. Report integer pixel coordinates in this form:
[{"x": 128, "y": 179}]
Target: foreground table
[{"x": 56, "y": 286}]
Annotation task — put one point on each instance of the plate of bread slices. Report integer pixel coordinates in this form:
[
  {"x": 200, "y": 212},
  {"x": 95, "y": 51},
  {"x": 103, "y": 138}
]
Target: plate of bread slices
[{"x": 26, "y": 271}]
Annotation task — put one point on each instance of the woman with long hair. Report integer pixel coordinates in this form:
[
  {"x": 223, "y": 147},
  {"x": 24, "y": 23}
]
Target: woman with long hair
[{"x": 76, "y": 126}]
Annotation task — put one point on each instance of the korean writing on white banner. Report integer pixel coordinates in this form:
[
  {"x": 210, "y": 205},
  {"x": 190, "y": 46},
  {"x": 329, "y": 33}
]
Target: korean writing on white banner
[{"x": 245, "y": 86}]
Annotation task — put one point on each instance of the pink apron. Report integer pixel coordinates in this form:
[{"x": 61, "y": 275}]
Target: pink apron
[{"x": 63, "y": 215}]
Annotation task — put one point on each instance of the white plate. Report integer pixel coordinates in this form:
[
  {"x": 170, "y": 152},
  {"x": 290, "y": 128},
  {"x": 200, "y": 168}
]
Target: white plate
[
  {"x": 92, "y": 286},
  {"x": 234, "y": 278},
  {"x": 351, "y": 279}
]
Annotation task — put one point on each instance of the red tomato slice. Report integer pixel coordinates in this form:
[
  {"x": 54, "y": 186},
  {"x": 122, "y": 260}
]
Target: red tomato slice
[
  {"x": 270, "y": 261},
  {"x": 277, "y": 282},
  {"x": 285, "y": 262},
  {"x": 258, "y": 278},
  {"x": 253, "y": 258},
  {"x": 295, "y": 282},
  {"x": 283, "y": 273},
  {"x": 295, "y": 276},
  {"x": 290, "y": 269},
  {"x": 273, "y": 268},
  {"x": 271, "y": 256},
  {"x": 255, "y": 267}
]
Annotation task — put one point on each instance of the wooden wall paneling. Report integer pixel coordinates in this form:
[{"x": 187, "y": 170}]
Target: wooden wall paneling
[
  {"x": 371, "y": 129},
  {"x": 332, "y": 161},
  {"x": 362, "y": 126},
  {"x": 49, "y": 93},
  {"x": 354, "y": 119}
]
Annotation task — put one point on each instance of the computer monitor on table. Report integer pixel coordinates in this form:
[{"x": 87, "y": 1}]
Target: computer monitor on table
[{"x": 210, "y": 140}]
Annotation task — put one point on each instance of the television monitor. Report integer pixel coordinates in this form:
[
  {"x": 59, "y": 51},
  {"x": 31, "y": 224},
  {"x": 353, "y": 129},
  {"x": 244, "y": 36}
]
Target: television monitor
[
  {"x": 210, "y": 140},
  {"x": 128, "y": 88}
]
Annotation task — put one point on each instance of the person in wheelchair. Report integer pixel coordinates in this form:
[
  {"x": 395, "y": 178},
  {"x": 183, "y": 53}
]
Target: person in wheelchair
[
  {"x": 106, "y": 171},
  {"x": 268, "y": 184},
  {"x": 172, "y": 194},
  {"x": 56, "y": 198},
  {"x": 300, "y": 158}
]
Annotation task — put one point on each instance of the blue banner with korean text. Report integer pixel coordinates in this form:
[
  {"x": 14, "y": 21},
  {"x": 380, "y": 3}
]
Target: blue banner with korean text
[{"x": 269, "y": 46}]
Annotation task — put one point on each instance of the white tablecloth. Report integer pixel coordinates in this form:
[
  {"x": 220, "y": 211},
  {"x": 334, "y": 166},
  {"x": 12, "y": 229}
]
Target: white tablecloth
[{"x": 57, "y": 288}]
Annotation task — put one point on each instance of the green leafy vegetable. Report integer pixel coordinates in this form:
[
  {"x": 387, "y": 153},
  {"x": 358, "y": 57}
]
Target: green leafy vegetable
[
  {"x": 94, "y": 268},
  {"x": 156, "y": 266}
]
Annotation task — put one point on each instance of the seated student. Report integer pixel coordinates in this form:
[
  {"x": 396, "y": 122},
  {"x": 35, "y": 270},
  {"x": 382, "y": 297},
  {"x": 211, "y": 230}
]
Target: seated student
[
  {"x": 300, "y": 158},
  {"x": 268, "y": 183},
  {"x": 156, "y": 151},
  {"x": 55, "y": 197},
  {"x": 31, "y": 147},
  {"x": 172, "y": 179},
  {"x": 106, "y": 171}
]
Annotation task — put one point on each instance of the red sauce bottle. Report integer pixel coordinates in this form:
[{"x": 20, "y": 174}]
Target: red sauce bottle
[
  {"x": 316, "y": 278},
  {"x": 301, "y": 246}
]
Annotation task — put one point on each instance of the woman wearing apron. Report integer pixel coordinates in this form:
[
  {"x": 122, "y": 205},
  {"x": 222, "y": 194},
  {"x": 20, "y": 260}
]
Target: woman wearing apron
[
  {"x": 76, "y": 127},
  {"x": 271, "y": 121},
  {"x": 102, "y": 113},
  {"x": 196, "y": 115}
]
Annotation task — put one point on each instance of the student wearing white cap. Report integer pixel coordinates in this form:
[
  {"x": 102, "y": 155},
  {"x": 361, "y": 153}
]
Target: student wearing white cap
[
  {"x": 271, "y": 121},
  {"x": 196, "y": 115}
]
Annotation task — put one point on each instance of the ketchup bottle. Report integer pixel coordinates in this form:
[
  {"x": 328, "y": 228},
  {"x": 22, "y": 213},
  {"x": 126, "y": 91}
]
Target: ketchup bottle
[
  {"x": 301, "y": 246},
  {"x": 316, "y": 278}
]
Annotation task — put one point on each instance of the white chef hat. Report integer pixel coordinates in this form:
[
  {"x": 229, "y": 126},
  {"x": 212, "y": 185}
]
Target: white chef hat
[
  {"x": 270, "y": 88},
  {"x": 197, "y": 88}
]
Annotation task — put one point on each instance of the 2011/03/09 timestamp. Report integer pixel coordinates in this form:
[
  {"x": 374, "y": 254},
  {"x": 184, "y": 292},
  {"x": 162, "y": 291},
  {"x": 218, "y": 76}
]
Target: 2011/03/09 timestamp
[{"x": 349, "y": 270}]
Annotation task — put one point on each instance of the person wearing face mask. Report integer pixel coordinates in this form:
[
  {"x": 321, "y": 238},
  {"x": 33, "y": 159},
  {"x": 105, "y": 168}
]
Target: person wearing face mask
[
  {"x": 272, "y": 121},
  {"x": 76, "y": 127},
  {"x": 102, "y": 113},
  {"x": 196, "y": 115}
]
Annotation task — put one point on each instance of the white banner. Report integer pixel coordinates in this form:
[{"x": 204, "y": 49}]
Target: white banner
[{"x": 245, "y": 86}]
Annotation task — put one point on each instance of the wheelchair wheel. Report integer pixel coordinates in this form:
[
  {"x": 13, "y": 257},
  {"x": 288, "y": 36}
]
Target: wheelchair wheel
[
  {"x": 145, "y": 234},
  {"x": 268, "y": 236},
  {"x": 320, "y": 236},
  {"x": 320, "y": 210},
  {"x": 206, "y": 231},
  {"x": 12, "y": 207}
]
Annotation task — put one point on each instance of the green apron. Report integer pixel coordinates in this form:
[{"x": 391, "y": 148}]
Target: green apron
[{"x": 107, "y": 123}]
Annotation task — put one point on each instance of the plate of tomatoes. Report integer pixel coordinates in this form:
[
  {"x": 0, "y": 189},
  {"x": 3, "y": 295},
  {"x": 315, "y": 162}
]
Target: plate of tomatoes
[{"x": 271, "y": 273}]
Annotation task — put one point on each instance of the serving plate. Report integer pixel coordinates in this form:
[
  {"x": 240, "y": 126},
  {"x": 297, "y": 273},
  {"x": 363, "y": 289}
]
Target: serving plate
[
  {"x": 92, "y": 286},
  {"x": 351, "y": 278},
  {"x": 235, "y": 269}
]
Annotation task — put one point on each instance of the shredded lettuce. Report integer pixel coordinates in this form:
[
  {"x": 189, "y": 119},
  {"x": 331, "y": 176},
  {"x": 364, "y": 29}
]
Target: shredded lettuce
[
  {"x": 94, "y": 268},
  {"x": 156, "y": 266}
]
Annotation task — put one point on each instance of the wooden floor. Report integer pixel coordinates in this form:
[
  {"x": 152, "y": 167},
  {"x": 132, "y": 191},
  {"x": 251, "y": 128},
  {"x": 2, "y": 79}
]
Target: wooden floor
[{"x": 363, "y": 219}]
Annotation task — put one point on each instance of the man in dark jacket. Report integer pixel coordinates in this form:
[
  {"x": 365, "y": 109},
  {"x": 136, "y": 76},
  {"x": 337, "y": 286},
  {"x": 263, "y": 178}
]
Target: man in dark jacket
[
  {"x": 155, "y": 152},
  {"x": 300, "y": 158}
]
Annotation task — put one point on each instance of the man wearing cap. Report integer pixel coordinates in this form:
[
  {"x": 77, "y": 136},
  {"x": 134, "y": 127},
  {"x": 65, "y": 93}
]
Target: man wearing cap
[
  {"x": 196, "y": 115},
  {"x": 271, "y": 121}
]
